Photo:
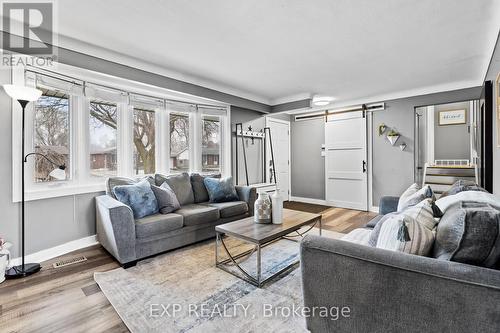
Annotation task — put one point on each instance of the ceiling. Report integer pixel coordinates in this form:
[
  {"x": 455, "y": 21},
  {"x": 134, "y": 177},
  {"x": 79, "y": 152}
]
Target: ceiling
[{"x": 277, "y": 51}]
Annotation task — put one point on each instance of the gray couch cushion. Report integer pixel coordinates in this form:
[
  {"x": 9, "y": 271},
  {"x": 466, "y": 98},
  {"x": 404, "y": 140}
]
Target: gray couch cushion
[
  {"x": 469, "y": 233},
  {"x": 229, "y": 209},
  {"x": 180, "y": 184},
  {"x": 157, "y": 224},
  {"x": 198, "y": 214},
  {"x": 199, "y": 189},
  {"x": 112, "y": 182}
]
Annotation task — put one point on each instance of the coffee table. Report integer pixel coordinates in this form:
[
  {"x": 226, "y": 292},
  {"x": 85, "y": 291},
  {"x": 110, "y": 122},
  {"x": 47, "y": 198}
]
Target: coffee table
[{"x": 261, "y": 235}]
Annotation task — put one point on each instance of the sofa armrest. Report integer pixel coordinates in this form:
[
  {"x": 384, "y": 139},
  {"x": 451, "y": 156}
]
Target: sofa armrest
[
  {"x": 388, "y": 205},
  {"x": 247, "y": 194},
  {"x": 116, "y": 228},
  {"x": 389, "y": 291}
]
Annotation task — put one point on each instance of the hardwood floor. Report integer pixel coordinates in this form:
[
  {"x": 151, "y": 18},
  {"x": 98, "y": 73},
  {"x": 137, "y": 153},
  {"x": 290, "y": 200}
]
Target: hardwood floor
[{"x": 67, "y": 299}]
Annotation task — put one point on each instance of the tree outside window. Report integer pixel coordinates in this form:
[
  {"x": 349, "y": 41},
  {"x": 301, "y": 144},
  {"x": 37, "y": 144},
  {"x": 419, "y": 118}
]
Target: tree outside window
[{"x": 52, "y": 133}]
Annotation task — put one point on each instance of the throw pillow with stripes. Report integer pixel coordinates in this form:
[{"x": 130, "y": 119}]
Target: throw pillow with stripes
[{"x": 410, "y": 231}]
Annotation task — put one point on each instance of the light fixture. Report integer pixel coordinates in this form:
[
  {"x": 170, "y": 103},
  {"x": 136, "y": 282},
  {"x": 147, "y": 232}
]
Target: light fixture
[
  {"x": 21, "y": 93},
  {"x": 322, "y": 100},
  {"x": 58, "y": 173}
]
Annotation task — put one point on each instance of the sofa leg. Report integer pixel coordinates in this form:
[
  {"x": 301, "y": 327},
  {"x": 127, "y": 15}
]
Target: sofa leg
[{"x": 129, "y": 264}]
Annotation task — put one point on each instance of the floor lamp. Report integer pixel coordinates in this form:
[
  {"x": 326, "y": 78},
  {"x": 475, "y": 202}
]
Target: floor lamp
[{"x": 24, "y": 95}]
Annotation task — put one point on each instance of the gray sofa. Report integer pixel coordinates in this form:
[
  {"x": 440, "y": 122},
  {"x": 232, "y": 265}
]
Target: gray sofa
[
  {"x": 129, "y": 240},
  {"x": 389, "y": 291}
]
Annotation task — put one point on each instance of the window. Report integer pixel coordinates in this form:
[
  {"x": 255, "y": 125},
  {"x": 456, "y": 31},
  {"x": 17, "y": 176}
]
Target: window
[
  {"x": 103, "y": 137},
  {"x": 179, "y": 142},
  {"x": 211, "y": 144},
  {"x": 51, "y": 133},
  {"x": 144, "y": 141},
  {"x": 101, "y": 126}
]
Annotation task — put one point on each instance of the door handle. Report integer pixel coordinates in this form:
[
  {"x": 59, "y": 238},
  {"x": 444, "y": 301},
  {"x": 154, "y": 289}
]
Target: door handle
[{"x": 364, "y": 166}]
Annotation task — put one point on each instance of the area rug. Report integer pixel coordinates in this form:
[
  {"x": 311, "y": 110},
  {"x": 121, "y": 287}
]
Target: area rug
[{"x": 183, "y": 291}]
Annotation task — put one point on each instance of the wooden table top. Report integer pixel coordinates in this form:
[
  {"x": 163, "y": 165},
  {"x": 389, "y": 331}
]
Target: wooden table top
[{"x": 256, "y": 233}]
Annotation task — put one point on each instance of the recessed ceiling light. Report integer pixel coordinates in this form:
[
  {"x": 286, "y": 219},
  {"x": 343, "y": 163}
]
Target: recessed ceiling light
[{"x": 322, "y": 100}]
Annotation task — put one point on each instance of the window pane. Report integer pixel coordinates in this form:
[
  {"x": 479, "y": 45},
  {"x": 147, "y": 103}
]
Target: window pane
[
  {"x": 102, "y": 131},
  {"x": 144, "y": 141},
  {"x": 210, "y": 149},
  {"x": 52, "y": 134},
  {"x": 179, "y": 142}
]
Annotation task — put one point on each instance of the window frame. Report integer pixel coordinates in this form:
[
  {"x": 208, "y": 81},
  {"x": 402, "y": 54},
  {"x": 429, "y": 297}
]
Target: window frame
[{"x": 81, "y": 179}]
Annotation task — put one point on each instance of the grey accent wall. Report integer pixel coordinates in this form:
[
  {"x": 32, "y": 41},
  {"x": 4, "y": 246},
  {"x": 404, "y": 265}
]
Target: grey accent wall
[
  {"x": 492, "y": 74},
  {"x": 392, "y": 168},
  {"x": 451, "y": 141},
  {"x": 308, "y": 166}
]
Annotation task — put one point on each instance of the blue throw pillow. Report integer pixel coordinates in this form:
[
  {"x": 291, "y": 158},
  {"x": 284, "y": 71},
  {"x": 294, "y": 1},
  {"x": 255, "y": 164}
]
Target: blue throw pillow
[
  {"x": 221, "y": 190},
  {"x": 139, "y": 197}
]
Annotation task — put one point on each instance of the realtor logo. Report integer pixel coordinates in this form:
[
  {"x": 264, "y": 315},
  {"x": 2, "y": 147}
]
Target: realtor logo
[
  {"x": 28, "y": 34},
  {"x": 28, "y": 27}
]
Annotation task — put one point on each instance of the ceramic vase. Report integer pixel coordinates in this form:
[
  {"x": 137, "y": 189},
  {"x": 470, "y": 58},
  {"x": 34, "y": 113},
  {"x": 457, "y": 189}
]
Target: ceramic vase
[
  {"x": 4, "y": 261},
  {"x": 277, "y": 207},
  {"x": 262, "y": 209}
]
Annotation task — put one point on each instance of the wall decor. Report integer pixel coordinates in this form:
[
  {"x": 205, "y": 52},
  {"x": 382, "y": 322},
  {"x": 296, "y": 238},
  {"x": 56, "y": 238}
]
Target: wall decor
[
  {"x": 381, "y": 129},
  {"x": 452, "y": 117},
  {"x": 393, "y": 136}
]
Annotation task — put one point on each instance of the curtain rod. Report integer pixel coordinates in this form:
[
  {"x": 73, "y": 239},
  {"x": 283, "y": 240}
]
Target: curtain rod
[{"x": 67, "y": 78}]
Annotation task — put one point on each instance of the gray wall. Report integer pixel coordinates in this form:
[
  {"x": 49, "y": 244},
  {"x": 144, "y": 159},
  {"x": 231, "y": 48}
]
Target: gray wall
[
  {"x": 392, "y": 168},
  {"x": 451, "y": 141},
  {"x": 493, "y": 72}
]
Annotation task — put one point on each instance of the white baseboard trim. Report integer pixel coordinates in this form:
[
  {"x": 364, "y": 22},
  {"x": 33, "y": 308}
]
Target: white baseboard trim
[
  {"x": 374, "y": 209},
  {"x": 56, "y": 251},
  {"x": 309, "y": 200}
]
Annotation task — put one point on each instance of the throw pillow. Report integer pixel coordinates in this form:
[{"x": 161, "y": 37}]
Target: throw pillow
[
  {"x": 469, "y": 232},
  {"x": 461, "y": 186},
  {"x": 111, "y": 182},
  {"x": 221, "y": 190},
  {"x": 167, "y": 201},
  {"x": 414, "y": 195},
  {"x": 403, "y": 233},
  {"x": 180, "y": 184},
  {"x": 359, "y": 236},
  {"x": 199, "y": 189},
  {"x": 139, "y": 197},
  {"x": 422, "y": 213}
]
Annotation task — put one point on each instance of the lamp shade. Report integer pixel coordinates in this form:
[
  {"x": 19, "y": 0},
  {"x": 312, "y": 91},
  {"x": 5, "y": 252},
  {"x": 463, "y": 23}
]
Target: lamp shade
[
  {"x": 22, "y": 93},
  {"x": 58, "y": 174}
]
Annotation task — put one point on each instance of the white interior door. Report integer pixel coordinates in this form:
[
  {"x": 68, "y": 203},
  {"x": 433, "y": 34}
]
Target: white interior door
[
  {"x": 280, "y": 135},
  {"x": 345, "y": 161}
]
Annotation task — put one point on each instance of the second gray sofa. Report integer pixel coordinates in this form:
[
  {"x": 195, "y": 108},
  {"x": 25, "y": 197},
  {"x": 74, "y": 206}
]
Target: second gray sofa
[{"x": 129, "y": 240}]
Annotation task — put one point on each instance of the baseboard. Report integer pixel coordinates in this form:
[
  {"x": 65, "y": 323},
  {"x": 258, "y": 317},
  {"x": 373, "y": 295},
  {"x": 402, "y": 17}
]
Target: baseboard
[
  {"x": 374, "y": 209},
  {"x": 309, "y": 200},
  {"x": 56, "y": 251}
]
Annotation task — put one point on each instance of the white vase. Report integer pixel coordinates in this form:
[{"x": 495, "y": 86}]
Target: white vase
[
  {"x": 4, "y": 263},
  {"x": 262, "y": 209},
  {"x": 277, "y": 207}
]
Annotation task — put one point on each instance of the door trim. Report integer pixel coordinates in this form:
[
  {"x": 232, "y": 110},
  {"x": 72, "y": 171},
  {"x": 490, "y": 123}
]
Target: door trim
[{"x": 286, "y": 122}]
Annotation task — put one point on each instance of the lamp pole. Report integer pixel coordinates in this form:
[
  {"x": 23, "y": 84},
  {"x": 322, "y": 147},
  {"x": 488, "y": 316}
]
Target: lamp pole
[{"x": 23, "y": 106}]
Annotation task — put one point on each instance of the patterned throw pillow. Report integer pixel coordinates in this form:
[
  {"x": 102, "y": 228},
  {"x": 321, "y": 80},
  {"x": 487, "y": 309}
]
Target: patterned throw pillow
[
  {"x": 199, "y": 188},
  {"x": 403, "y": 233},
  {"x": 422, "y": 213},
  {"x": 221, "y": 190},
  {"x": 414, "y": 195},
  {"x": 139, "y": 197},
  {"x": 167, "y": 201}
]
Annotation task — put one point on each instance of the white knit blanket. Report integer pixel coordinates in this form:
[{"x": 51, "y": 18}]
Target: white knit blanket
[{"x": 475, "y": 196}]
